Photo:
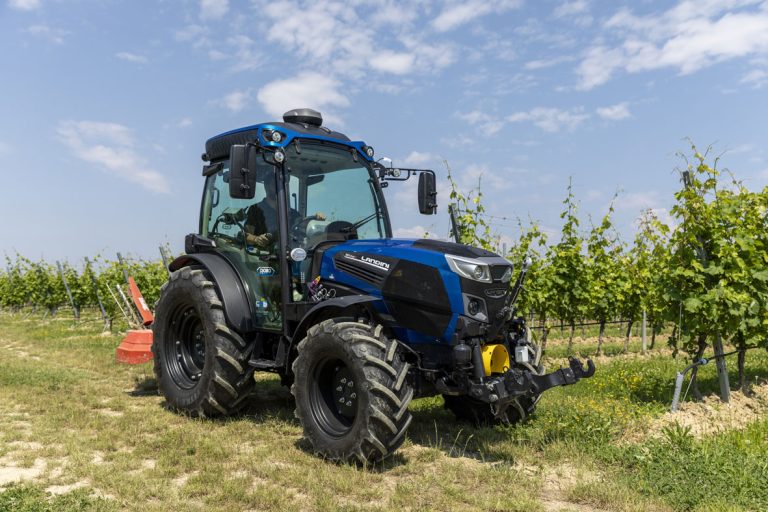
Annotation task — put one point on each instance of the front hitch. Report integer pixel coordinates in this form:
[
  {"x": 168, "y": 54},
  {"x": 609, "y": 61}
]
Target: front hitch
[
  {"x": 564, "y": 376},
  {"x": 505, "y": 388}
]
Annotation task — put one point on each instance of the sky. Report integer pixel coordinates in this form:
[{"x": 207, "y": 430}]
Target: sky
[{"x": 106, "y": 105}]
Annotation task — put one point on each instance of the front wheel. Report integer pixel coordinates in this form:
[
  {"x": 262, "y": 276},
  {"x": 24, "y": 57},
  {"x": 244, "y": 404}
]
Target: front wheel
[{"x": 351, "y": 391}]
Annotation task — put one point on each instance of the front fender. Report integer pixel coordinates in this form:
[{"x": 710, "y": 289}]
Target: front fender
[
  {"x": 237, "y": 307},
  {"x": 330, "y": 308}
]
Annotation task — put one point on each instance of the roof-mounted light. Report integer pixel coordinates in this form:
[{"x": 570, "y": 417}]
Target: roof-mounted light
[
  {"x": 368, "y": 151},
  {"x": 272, "y": 136}
]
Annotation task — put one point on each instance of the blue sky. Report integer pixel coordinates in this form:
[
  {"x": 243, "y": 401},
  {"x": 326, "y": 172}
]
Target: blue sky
[{"x": 106, "y": 104}]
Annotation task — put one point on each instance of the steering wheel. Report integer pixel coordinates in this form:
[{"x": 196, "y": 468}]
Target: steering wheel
[{"x": 228, "y": 220}]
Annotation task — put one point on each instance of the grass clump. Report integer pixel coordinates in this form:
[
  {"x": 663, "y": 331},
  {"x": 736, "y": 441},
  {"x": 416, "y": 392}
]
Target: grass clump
[{"x": 32, "y": 498}]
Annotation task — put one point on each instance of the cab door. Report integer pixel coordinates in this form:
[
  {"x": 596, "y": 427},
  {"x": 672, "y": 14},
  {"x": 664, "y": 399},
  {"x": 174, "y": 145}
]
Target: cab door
[{"x": 225, "y": 221}]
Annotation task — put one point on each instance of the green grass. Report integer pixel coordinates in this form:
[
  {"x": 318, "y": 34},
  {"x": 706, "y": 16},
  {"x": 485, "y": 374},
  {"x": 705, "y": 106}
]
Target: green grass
[{"x": 100, "y": 425}]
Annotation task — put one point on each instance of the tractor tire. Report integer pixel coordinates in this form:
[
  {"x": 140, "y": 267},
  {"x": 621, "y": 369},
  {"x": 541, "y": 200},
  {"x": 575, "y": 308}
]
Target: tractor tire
[
  {"x": 201, "y": 365},
  {"x": 351, "y": 392},
  {"x": 480, "y": 413}
]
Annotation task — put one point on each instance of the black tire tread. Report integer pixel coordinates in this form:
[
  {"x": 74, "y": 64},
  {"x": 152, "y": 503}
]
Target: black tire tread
[{"x": 380, "y": 429}]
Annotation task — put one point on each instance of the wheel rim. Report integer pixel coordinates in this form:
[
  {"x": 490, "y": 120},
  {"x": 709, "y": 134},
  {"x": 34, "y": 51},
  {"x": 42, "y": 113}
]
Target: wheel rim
[
  {"x": 185, "y": 346},
  {"x": 334, "y": 397}
]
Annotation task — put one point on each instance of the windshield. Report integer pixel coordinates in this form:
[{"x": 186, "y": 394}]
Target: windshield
[{"x": 332, "y": 196}]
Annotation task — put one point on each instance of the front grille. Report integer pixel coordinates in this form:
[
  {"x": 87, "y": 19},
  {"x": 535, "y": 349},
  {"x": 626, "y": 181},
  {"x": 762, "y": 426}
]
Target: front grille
[{"x": 359, "y": 272}]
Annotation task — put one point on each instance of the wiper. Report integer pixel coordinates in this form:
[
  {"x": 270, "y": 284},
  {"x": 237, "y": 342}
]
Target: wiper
[{"x": 362, "y": 221}]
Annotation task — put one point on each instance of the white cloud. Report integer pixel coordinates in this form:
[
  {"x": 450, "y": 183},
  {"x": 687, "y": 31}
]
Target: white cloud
[
  {"x": 547, "y": 63},
  {"x": 235, "y": 101},
  {"x": 308, "y": 89},
  {"x": 487, "y": 124},
  {"x": 334, "y": 36},
  {"x": 598, "y": 66},
  {"x": 572, "y": 8},
  {"x": 24, "y": 5},
  {"x": 185, "y": 122},
  {"x": 390, "y": 12},
  {"x": 688, "y": 37},
  {"x": 639, "y": 200},
  {"x": 110, "y": 146},
  {"x": 615, "y": 112},
  {"x": 551, "y": 119},
  {"x": 419, "y": 158},
  {"x": 4, "y": 148},
  {"x": 195, "y": 34},
  {"x": 334, "y": 42},
  {"x": 756, "y": 78},
  {"x": 475, "y": 174},
  {"x": 213, "y": 9},
  {"x": 132, "y": 57},
  {"x": 460, "y": 12},
  {"x": 392, "y": 62},
  {"x": 412, "y": 232},
  {"x": 55, "y": 35},
  {"x": 245, "y": 57}
]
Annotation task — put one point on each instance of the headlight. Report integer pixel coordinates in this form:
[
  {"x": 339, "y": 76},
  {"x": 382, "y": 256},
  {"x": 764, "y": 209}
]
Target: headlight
[{"x": 469, "y": 268}]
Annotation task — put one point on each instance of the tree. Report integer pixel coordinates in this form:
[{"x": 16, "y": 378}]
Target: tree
[
  {"x": 719, "y": 274},
  {"x": 567, "y": 272},
  {"x": 602, "y": 269},
  {"x": 535, "y": 297},
  {"x": 651, "y": 247},
  {"x": 469, "y": 212}
]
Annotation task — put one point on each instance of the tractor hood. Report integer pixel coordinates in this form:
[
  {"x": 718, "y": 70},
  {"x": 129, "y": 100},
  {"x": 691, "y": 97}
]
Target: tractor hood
[{"x": 424, "y": 283}]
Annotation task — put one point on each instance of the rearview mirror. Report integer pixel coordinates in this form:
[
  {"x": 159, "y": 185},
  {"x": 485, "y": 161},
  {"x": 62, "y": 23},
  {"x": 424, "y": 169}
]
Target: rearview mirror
[
  {"x": 242, "y": 171},
  {"x": 427, "y": 193}
]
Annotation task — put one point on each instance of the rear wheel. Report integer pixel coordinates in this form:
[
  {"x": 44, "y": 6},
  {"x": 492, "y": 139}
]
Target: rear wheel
[
  {"x": 351, "y": 391},
  {"x": 201, "y": 365},
  {"x": 481, "y": 413}
]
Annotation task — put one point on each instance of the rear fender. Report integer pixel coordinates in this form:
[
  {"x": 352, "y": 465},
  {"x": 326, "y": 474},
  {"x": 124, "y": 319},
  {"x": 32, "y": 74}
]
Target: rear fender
[{"x": 237, "y": 308}]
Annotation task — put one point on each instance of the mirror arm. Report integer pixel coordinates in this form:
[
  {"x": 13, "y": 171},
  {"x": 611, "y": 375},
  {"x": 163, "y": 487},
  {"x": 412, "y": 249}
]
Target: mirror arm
[{"x": 211, "y": 169}]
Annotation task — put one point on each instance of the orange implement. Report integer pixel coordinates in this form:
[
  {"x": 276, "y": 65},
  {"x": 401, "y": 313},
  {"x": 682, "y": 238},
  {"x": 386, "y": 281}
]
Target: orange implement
[
  {"x": 146, "y": 314},
  {"x": 136, "y": 347}
]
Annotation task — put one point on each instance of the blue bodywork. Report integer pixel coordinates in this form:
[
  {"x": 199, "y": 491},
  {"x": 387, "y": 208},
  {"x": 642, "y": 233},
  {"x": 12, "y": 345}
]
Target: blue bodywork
[{"x": 402, "y": 249}]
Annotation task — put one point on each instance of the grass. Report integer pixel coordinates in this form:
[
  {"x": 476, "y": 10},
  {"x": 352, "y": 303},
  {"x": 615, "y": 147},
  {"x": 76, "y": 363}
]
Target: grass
[{"x": 94, "y": 435}]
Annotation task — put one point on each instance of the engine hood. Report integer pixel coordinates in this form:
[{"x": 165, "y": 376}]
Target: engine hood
[
  {"x": 422, "y": 250},
  {"x": 414, "y": 275}
]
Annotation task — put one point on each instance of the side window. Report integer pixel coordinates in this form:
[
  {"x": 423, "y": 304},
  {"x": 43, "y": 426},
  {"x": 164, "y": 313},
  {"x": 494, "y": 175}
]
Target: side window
[{"x": 224, "y": 217}]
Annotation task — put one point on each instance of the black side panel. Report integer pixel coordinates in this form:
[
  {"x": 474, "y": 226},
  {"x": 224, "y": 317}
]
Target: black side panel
[
  {"x": 237, "y": 308},
  {"x": 416, "y": 283},
  {"x": 465, "y": 251}
]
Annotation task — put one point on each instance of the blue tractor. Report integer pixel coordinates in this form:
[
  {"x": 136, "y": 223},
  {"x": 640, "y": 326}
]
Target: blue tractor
[{"x": 294, "y": 270}]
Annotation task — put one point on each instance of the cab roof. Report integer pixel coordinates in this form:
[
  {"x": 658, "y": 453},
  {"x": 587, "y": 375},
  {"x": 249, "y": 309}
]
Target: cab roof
[{"x": 301, "y": 123}]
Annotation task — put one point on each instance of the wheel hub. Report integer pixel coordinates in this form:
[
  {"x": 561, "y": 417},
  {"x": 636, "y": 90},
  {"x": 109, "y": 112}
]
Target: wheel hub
[
  {"x": 186, "y": 353},
  {"x": 344, "y": 391}
]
